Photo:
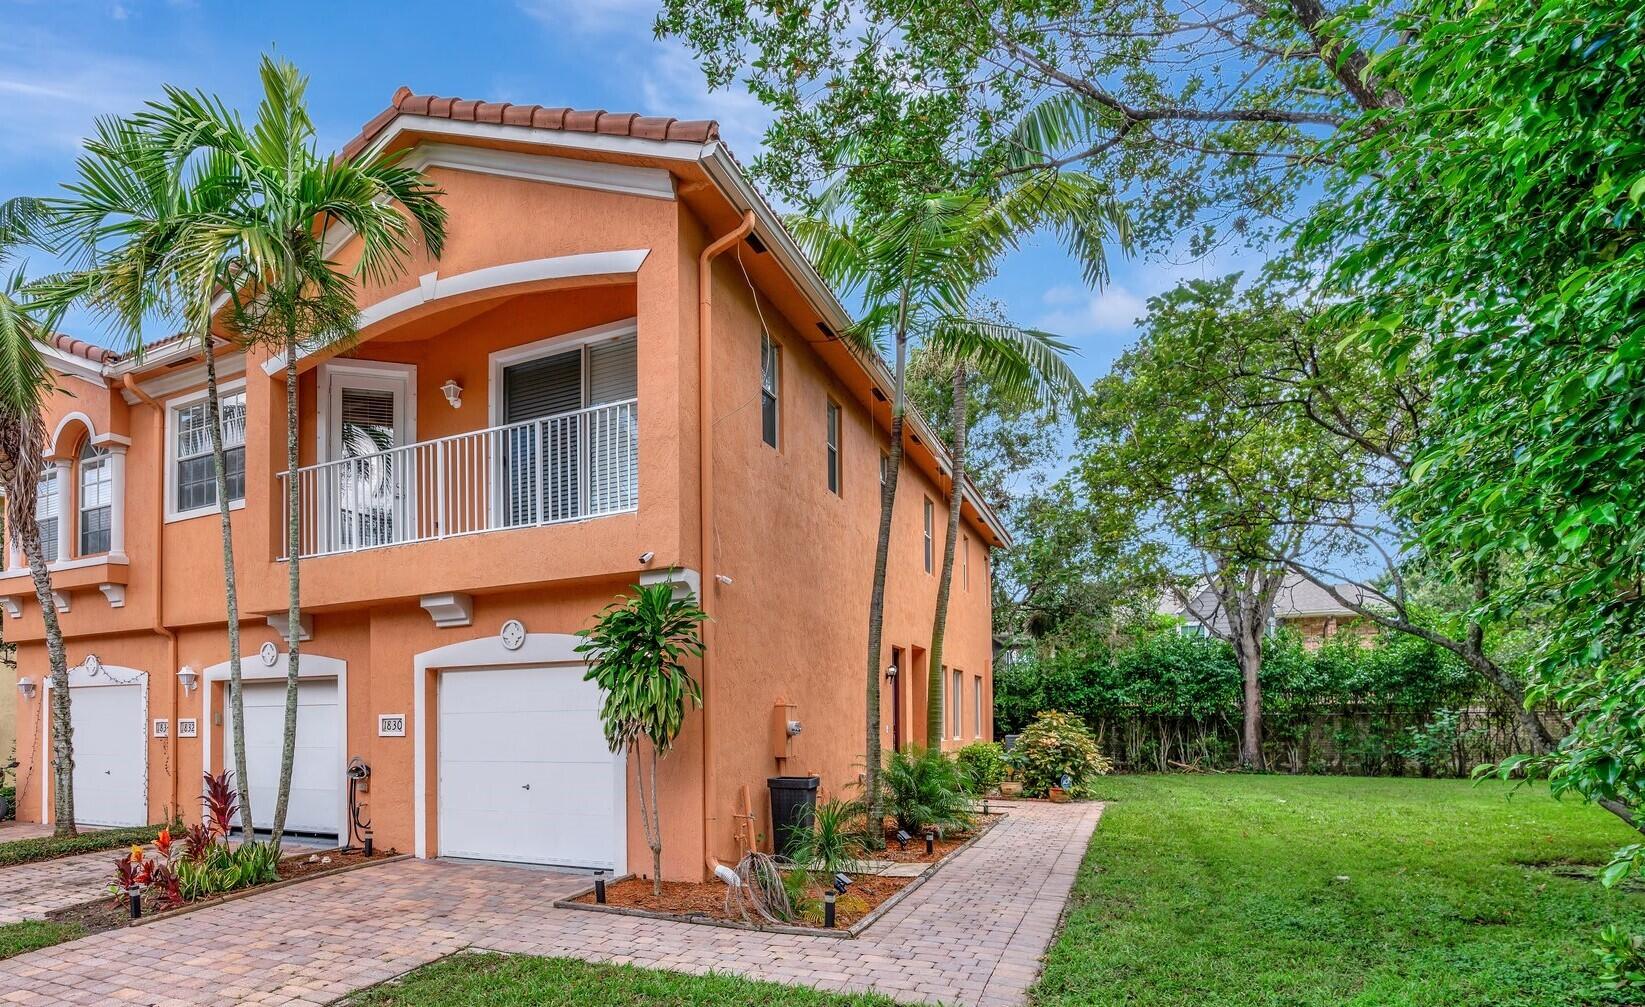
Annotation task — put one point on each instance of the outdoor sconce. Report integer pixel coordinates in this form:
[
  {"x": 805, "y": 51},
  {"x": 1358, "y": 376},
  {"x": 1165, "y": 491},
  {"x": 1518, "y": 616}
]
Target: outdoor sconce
[
  {"x": 25, "y": 687},
  {"x": 189, "y": 679},
  {"x": 453, "y": 393},
  {"x": 891, "y": 673}
]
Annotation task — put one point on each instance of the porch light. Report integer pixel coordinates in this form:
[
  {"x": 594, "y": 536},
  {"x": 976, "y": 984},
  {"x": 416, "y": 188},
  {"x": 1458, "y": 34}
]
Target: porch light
[
  {"x": 25, "y": 687},
  {"x": 453, "y": 393},
  {"x": 891, "y": 672},
  {"x": 189, "y": 679}
]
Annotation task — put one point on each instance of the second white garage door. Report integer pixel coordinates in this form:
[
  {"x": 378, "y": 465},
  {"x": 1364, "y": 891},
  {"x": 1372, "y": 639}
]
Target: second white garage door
[
  {"x": 317, "y": 770},
  {"x": 525, "y": 774}
]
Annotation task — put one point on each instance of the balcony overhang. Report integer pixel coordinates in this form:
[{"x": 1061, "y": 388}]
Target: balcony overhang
[{"x": 434, "y": 291}]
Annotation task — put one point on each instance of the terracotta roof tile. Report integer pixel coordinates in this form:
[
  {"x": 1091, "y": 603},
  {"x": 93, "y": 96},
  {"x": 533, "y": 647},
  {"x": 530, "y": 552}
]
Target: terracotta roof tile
[
  {"x": 84, "y": 350},
  {"x": 645, "y": 127}
]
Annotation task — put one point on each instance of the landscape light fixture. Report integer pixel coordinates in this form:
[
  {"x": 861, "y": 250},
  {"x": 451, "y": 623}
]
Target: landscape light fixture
[
  {"x": 25, "y": 687},
  {"x": 841, "y": 882},
  {"x": 930, "y": 842},
  {"x": 599, "y": 887},
  {"x": 902, "y": 839},
  {"x": 828, "y": 909}
]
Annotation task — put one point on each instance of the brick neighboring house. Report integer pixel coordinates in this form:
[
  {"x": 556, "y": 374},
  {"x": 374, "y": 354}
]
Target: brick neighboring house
[
  {"x": 565, "y": 403},
  {"x": 1301, "y": 605}
]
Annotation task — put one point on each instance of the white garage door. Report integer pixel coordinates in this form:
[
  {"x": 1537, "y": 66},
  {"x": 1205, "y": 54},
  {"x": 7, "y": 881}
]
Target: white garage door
[
  {"x": 316, "y": 772},
  {"x": 110, "y": 756},
  {"x": 525, "y": 774}
]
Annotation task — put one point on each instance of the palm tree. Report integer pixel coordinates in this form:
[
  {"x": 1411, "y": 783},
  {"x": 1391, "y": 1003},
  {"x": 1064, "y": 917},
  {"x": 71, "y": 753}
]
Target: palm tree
[
  {"x": 914, "y": 267},
  {"x": 151, "y": 229},
  {"x": 25, "y": 381},
  {"x": 285, "y": 292}
]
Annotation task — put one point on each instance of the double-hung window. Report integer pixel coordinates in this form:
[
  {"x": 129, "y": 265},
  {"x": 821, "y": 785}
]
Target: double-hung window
[
  {"x": 45, "y": 514},
  {"x": 194, "y": 478},
  {"x": 96, "y": 499},
  {"x": 929, "y": 519},
  {"x": 833, "y": 447},
  {"x": 770, "y": 387}
]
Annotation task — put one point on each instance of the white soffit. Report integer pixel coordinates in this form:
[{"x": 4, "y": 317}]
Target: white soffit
[{"x": 629, "y": 179}]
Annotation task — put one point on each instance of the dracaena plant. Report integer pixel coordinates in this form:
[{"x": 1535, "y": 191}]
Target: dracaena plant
[{"x": 637, "y": 651}]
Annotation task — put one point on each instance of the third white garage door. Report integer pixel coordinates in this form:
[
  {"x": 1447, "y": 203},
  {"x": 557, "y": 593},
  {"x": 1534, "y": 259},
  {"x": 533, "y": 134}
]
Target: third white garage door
[{"x": 525, "y": 774}]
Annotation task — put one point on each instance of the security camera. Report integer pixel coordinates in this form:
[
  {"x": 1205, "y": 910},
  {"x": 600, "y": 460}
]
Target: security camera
[{"x": 646, "y": 557}]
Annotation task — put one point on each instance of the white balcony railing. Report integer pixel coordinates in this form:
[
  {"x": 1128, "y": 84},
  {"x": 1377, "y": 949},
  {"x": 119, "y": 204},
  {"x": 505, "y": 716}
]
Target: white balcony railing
[{"x": 566, "y": 467}]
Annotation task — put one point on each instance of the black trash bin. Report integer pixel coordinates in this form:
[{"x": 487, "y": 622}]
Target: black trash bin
[{"x": 793, "y": 810}]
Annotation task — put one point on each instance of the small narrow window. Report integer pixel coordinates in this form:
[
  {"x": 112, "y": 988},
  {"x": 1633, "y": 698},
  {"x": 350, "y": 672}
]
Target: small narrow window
[
  {"x": 770, "y": 383},
  {"x": 965, "y": 560},
  {"x": 96, "y": 499},
  {"x": 45, "y": 514},
  {"x": 959, "y": 683},
  {"x": 929, "y": 516},
  {"x": 833, "y": 447},
  {"x": 976, "y": 706},
  {"x": 885, "y": 467}
]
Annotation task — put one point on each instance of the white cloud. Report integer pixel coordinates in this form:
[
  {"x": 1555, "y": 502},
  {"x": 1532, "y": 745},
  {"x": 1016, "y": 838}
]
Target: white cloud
[
  {"x": 54, "y": 92},
  {"x": 1076, "y": 312}
]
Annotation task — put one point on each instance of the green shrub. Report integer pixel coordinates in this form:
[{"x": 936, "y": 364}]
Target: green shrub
[
  {"x": 982, "y": 765},
  {"x": 1056, "y": 745},
  {"x": 923, "y": 787},
  {"x": 221, "y": 868},
  {"x": 28, "y": 851},
  {"x": 838, "y": 837}
]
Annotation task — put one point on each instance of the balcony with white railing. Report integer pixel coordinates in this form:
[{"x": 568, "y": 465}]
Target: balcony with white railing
[{"x": 567, "y": 467}]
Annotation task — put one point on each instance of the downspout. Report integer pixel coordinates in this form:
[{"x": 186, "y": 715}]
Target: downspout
[
  {"x": 159, "y": 621},
  {"x": 705, "y": 486}
]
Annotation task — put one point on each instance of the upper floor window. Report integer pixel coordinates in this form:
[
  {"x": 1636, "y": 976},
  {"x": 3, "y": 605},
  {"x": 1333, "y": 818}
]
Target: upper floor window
[
  {"x": 193, "y": 476},
  {"x": 965, "y": 560},
  {"x": 45, "y": 514},
  {"x": 929, "y": 520},
  {"x": 96, "y": 500},
  {"x": 770, "y": 387},
  {"x": 833, "y": 447}
]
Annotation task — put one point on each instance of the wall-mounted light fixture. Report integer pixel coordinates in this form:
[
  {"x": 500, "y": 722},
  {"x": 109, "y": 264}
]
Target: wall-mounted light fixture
[
  {"x": 189, "y": 679},
  {"x": 453, "y": 393},
  {"x": 891, "y": 673},
  {"x": 25, "y": 687}
]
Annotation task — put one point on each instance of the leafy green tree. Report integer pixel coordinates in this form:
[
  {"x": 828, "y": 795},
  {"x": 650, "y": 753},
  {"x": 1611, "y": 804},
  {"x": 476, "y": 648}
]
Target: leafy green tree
[
  {"x": 637, "y": 652},
  {"x": 1492, "y": 232},
  {"x": 286, "y": 291},
  {"x": 25, "y": 383},
  {"x": 1178, "y": 443},
  {"x": 153, "y": 233},
  {"x": 1209, "y": 117}
]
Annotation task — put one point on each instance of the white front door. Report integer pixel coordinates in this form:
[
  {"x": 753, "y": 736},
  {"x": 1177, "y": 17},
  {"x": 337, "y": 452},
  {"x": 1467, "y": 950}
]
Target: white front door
[
  {"x": 370, "y": 411},
  {"x": 110, "y": 754},
  {"x": 525, "y": 774},
  {"x": 317, "y": 770}
]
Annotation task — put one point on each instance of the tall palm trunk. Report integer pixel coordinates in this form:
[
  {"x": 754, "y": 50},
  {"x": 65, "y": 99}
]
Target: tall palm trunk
[
  {"x": 22, "y": 481},
  {"x": 939, "y": 623},
  {"x": 236, "y": 699},
  {"x": 876, "y": 600},
  {"x": 294, "y": 612}
]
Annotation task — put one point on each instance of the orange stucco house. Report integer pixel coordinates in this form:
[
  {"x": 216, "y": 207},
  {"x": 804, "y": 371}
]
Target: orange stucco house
[{"x": 621, "y": 369}]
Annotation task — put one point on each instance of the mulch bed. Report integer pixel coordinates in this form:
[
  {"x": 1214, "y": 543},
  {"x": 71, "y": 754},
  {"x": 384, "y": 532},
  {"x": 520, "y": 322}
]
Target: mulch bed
[
  {"x": 707, "y": 899},
  {"x": 103, "y": 914}
]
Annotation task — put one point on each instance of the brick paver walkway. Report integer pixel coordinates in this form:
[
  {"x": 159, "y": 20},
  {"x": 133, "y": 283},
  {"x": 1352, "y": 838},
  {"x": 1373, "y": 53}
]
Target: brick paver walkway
[
  {"x": 972, "y": 935},
  {"x": 29, "y": 891}
]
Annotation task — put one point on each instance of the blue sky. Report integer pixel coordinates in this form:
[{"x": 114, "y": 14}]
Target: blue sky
[{"x": 64, "y": 62}]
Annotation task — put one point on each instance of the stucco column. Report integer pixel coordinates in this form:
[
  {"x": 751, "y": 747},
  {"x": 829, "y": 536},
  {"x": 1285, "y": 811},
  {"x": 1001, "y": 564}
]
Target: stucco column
[
  {"x": 65, "y": 509},
  {"x": 117, "y": 503}
]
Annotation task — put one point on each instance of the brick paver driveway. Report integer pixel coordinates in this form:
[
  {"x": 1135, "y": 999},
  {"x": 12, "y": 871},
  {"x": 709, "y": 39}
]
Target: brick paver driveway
[{"x": 971, "y": 935}]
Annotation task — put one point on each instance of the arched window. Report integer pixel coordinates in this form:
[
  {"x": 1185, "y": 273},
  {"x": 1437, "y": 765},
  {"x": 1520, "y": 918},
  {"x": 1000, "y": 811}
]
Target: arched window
[{"x": 96, "y": 499}]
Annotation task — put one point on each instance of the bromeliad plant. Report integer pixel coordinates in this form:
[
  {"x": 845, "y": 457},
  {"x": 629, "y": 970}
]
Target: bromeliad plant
[{"x": 637, "y": 651}]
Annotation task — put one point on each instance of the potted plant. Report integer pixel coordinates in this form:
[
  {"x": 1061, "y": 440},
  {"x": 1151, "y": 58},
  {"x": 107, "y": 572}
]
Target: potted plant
[{"x": 1011, "y": 786}]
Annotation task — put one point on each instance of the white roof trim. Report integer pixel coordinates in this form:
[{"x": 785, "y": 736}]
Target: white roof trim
[{"x": 655, "y": 183}]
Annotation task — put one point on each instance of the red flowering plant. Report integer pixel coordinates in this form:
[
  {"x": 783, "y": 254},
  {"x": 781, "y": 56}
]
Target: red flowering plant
[{"x": 137, "y": 873}]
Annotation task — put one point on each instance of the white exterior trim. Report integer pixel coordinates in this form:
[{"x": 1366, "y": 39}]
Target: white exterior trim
[
  {"x": 654, "y": 183},
  {"x": 500, "y": 359},
  {"x": 57, "y": 434},
  {"x": 70, "y": 363},
  {"x": 432, "y": 287},
  {"x": 666, "y": 150},
  {"x": 80, "y": 677},
  {"x": 343, "y": 368},
  {"x": 539, "y": 649},
  {"x": 252, "y": 669},
  {"x": 78, "y": 563},
  {"x": 168, "y": 485},
  {"x": 229, "y": 365}
]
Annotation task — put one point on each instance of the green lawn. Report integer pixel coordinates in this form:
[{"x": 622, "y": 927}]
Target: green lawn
[
  {"x": 499, "y": 981},
  {"x": 28, "y": 851},
  {"x": 30, "y": 935},
  {"x": 1318, "y": 890}
]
